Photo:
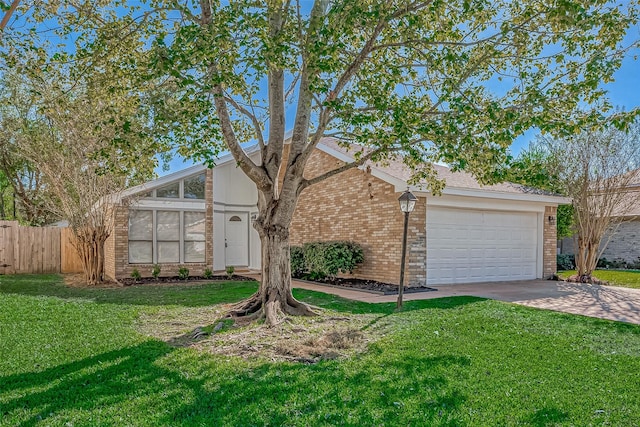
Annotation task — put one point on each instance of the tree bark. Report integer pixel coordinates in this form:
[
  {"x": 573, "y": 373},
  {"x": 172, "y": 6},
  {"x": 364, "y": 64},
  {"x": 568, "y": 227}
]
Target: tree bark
[
  {"x": 90, "y": 246},
  {"x": 586, "y": 258},
  {"x": 274, "y": 300}
]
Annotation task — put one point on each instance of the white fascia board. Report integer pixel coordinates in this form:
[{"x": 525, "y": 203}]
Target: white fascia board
[
  {"x": 169, "y": 204},
  {"x": 374, "y": 170},
  {"x": 483, "y": 194},
  {"x": 466, "y": 202},
  {"x": 228, "y": 158}
]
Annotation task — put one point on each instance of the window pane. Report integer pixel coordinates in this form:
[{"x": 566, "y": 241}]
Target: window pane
[
  {"x": 140, "y": 253},
  {"x": 140, "y": 225},
  {"x": 168, "y": 252},
  {"x": 194, "y": 187},
  {"x": 171, "y": 191},
  {"x": 194, "y": 226},
  {"x": 194, "y": 251},
  {"x": 168, "y": 225}
]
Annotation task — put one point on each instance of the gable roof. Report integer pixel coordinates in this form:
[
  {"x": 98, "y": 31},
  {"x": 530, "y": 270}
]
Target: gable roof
[
  {"x": 181, "y": 174},
  {"x": 395, "y": 172}
]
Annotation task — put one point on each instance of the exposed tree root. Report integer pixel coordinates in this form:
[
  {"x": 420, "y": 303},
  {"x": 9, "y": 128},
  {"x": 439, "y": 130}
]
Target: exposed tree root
[{"x": 273, "y": 311}]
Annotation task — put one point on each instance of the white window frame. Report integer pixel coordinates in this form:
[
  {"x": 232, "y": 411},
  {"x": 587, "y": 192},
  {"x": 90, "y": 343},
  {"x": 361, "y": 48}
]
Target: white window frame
[
  {"x": 154, "y": 249},
  {"x": 180, "y": 189}
]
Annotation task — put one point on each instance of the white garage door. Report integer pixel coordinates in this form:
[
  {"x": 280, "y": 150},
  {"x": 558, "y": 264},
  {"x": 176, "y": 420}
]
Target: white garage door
[{"x": 466, "y": 246}]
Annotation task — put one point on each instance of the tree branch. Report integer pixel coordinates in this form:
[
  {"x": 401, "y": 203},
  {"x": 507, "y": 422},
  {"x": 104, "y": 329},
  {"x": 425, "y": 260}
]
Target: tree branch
[
  {"x": 362, "y": 160},
  {"x": 251, "y": 116}
]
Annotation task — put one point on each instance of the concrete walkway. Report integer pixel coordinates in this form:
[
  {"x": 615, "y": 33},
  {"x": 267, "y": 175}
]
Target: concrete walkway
[{"x": 605, "y": 302}]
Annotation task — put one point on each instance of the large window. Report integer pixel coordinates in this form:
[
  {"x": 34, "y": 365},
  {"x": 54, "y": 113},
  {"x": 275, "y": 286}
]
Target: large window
[
  {"x": 168, "y": 236},
  {"x": 140, "y": 237},
  {"x": 163, "y": 236},
  {"x": 194, "y": 232},
  {"x": 189, "y": 188}
]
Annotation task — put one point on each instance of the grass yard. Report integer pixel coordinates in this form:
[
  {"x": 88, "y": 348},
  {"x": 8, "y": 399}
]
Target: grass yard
[
  {"x": 622, "y": 278},
  {"x": 76, "y": 357}
]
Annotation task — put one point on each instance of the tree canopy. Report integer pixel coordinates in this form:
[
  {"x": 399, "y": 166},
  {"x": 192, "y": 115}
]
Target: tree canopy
[
  {"x": 428, "y": 81},
  {"x": 598, "y": 169}
]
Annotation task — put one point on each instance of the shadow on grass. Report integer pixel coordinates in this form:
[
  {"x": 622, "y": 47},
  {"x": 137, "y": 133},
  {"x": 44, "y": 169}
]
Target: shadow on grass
[
  {"x": 189, "y": 295},
  {"x": 547, "y": 417},
  {"x": 337, "y": 303},
  {"x": 153, "y": 384}
]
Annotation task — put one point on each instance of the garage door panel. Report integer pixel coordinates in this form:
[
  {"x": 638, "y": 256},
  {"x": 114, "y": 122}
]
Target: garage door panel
[{"x": 475, "y": 246}]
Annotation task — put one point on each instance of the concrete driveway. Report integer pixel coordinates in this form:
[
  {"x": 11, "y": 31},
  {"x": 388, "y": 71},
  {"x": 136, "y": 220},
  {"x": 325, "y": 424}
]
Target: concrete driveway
[{"x": 605, "y": 302}]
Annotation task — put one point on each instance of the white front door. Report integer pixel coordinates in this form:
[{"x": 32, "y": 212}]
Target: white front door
[
  {"x": 237, "y": 239},
  {"x": 466, "y": 246}
]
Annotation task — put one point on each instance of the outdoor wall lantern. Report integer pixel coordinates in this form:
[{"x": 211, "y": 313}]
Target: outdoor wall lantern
[
  {"x": 407, "y": 203},
  {"x": 552, "y": 220}
]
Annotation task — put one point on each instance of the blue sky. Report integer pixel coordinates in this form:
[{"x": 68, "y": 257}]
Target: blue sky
[{"x": 624, "y": 92}]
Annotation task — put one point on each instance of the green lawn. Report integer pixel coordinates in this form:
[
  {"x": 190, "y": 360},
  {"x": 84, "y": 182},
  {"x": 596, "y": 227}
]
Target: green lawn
[
  {"x": 623, "y": 278},
  {"x": 74, "y": 357}
]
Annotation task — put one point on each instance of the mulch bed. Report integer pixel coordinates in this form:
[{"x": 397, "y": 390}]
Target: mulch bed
[
  {"x": 370, "y": 285},
  {"x": 176, "y": 279}
]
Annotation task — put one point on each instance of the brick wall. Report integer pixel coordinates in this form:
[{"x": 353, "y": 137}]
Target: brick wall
[
  {"x": 623, "y": 243},
  {"x": 359, "y": 207},
  {"x": 117, "y": 246},
  {"x": 550, "y": 242},
  {"x": 109, "y": 253}
]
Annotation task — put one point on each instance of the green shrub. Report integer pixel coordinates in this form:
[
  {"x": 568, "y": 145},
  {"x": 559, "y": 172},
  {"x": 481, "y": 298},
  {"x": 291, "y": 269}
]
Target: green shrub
[
  {"x": 297, "y": 261},
  {"x": 230, "y": 269},
  {"x": 208, "y": 274},
  {"x": 183, "y": 273},
  {"x": 328, "y": 259},
  {"x": 135, "y": 274},
  {"x": 156, "y": 271},
  {"x": 565, "y": 262}
]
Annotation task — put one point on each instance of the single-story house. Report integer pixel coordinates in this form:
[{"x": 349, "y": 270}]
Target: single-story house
[
  {"x": 201, "y": 218},
  {"x": 622, "y": 240}
]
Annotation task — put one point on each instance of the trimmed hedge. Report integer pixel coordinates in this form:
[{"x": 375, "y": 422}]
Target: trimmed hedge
[{"x": 317, "y": 260}]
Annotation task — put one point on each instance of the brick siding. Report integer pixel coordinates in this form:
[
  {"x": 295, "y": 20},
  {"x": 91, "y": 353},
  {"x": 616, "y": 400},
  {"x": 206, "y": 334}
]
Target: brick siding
[
  {"x": 359, "y": 207},
  {"x": 550, "y": 242}
]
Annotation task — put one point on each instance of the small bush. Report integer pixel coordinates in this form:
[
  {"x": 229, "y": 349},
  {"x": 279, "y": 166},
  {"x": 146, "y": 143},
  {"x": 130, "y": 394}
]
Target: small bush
[
  {"x": 297, "y": 261},
  {"x": 135, "y": 274},
  {"x": 208, "y": 274},
  {"x": 618, "y": 263},
  {"x": 565, "y": 262},
  {"x": 230, "y": 269},
  {"x": 328, "y": 259},
  {"x": 156, "y": 271},
  {"x": 183, "y": 273}
]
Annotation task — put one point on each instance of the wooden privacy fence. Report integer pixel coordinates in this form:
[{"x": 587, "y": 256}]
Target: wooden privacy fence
[
  {"x": 31, "y": 250},
  {"x": 70, "y": 261}
]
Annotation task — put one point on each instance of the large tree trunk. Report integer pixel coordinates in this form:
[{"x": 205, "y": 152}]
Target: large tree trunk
[
  {"x": 274, "y": 299},
  {"x": 89, "y": 243}
]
